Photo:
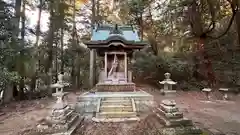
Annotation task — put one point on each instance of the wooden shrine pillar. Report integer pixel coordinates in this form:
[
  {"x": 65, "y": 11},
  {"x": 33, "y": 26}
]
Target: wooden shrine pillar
[
  {"x": 126, "y": 66},
  {"x": 105, "y": 65},
  {"x": 92, "y": 70}
]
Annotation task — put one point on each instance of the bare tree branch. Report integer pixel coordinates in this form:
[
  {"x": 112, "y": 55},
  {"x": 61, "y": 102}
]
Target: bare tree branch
[{"x": 234, "y": 11}]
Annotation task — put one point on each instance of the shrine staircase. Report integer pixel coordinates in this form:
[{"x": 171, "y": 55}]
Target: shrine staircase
[{"x": 116, "y": 109}]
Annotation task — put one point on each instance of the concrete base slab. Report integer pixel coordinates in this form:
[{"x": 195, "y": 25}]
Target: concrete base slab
[
  {"x": 115, "y": 94},
  {"x": 208, "y": 101},
  {"x": 89, "y": 102},
  {"x": 225, "y": 101},
  {"x": 115, "y": 119}
]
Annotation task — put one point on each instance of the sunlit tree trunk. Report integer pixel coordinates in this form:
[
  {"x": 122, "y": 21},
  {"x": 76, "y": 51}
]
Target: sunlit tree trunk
[
  {"x": 50, "y": 37},
  {"x": 18, "y": 4},
  {"x": 38, "y": 29},
  {"x": 74, "y": 43},
  {"x": 22, "y": 68},
  {"x": 62, "y": 17},
  {"x": 37, "y": 51}
]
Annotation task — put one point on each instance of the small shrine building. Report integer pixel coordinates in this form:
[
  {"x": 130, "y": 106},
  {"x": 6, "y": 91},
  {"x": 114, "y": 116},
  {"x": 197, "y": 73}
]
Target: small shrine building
[{"x": 116, "y": 45}]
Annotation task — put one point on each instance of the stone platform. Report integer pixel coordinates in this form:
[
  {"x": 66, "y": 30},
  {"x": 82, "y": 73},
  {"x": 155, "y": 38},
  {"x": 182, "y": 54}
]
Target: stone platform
[
  {"x": 174, "y": 121},
  {"x": 62, "y": 120},
  {"x": 115, "y": 87},
  {"x": 114, "y": 106}
]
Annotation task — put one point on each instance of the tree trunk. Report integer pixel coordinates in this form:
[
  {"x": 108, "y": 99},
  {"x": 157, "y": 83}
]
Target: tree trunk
[
  {"x": 8, "y": 93},
  {"x": 78, "y": 72},
  {"x": 22, "y": 68},
  {"x": 56, "y": 65},
  {"x": 62, "y": 44},
  {"x": 237, "y": 20},
  {"x": 74, "y": 44},
  {"x": 141, "y": 26},
  {"x": 92, "y": 76},
  {"x": 18, "y": 4},
  {"x": 153, "y": 33},
  {"x": 50, "y": 38},
  {"x": 38, "y": 30},
  {"x": 203, "y": 66},
  {"x": 37, "y": 51},
  {"x": 73, "y": 74},
  {"x": 98, "y": 11}
]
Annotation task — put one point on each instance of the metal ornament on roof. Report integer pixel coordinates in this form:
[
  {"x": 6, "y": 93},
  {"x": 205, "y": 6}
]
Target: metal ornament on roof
[{"x": 116, "y": 30}]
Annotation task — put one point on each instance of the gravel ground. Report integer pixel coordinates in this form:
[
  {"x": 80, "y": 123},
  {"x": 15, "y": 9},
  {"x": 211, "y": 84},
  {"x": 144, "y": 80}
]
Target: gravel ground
[{"x": 217, "y": 117}]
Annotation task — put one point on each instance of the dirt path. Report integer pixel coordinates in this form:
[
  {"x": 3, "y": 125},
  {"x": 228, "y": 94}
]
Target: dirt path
[
  {"x": 24, "y": 115},
  {"x": 20, "y": 116},
  {"x": 147, "y": 126}
]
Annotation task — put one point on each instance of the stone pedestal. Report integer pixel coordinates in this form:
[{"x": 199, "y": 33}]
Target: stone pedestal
[
  {"x": 62, "y": 118},
  {"x": 207, "y": 92},
  {"x": 59, "y": 87},
  {"x": 224, "y": 91},
  {"x": 170, "y": 116}
]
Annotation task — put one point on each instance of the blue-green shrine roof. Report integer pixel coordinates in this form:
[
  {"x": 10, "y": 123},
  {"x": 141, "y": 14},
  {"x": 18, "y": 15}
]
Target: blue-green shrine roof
[
  {"x": 105, "y": 31},
  {"x": 104, "y": 35}
]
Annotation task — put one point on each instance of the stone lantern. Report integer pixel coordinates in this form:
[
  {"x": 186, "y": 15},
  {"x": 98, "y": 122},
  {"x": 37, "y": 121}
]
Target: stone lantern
[{"x": 167, "y": 84}]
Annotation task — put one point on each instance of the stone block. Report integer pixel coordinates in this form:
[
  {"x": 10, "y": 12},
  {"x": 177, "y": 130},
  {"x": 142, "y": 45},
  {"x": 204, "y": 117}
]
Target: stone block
[
  {"x": 182, "y": 131},
  {"x": 206, "y": 90},
  {"x": 60, "y": 112},
  {"x": 142, "y": 107},
  {"x": 168, "y": 109},
  {"x": 179, "y": 122},
  {"x": 168, "y": 131},
  {"x": 169, "y": 102},
  {"x": 223, "y": 89},
  {"x": 174, "y": 115}
]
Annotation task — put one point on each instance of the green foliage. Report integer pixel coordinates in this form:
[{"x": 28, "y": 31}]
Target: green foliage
[
  {"x": 7, "y": 77},
  {"x": 151, "y": 69}
]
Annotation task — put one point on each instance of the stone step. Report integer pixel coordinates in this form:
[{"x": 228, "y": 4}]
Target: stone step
[
  {"x": 116, "y": 108},
  {"x": 115, "y": 98},
  {"x": 115, "y": 119},
  {"x": 116, "y": 114},
  {"x": 117, "y": 102},
  {"x": 68, "y": 115},
  {"x": 72, "y": 120},
  {"x": 173, "y": 115}
]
